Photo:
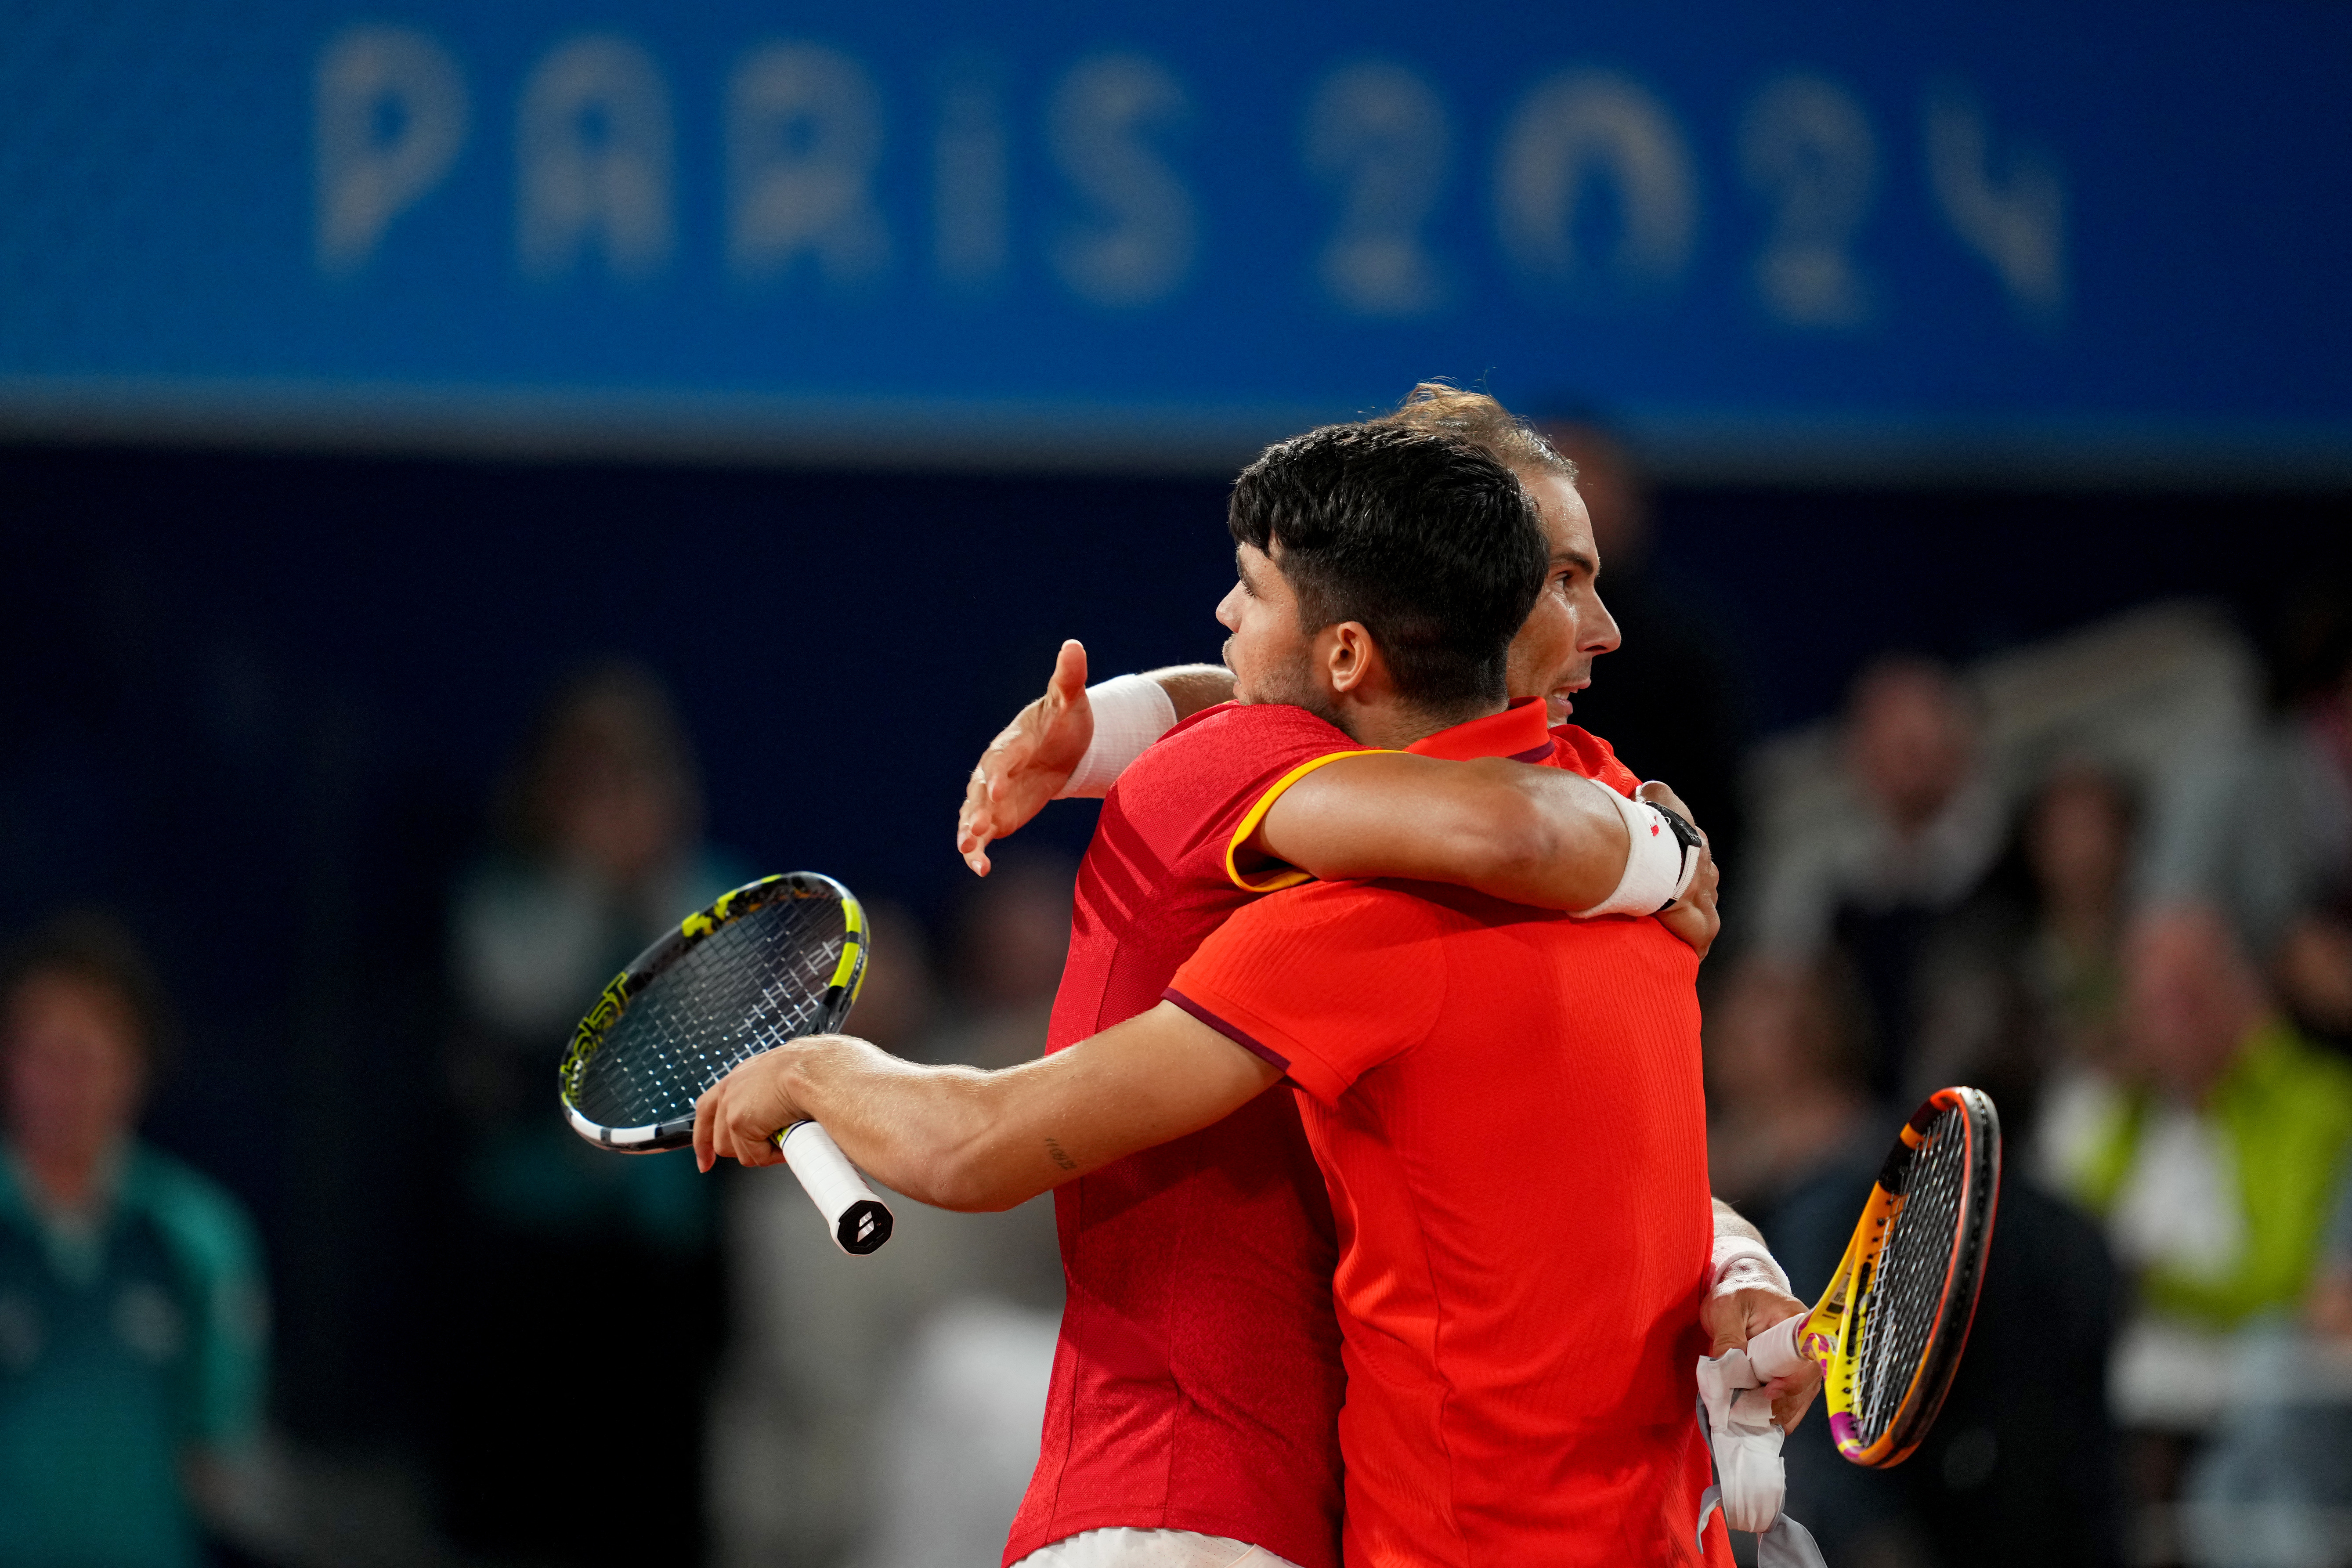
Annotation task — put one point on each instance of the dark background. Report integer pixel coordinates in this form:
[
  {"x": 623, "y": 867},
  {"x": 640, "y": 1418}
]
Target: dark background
[{"x": 259, "y": 703}]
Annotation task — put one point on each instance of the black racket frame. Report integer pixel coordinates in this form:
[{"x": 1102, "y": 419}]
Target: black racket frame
[
  {"x": 1964, "y": 1279},
  {"x": 832, "y": 1006}
]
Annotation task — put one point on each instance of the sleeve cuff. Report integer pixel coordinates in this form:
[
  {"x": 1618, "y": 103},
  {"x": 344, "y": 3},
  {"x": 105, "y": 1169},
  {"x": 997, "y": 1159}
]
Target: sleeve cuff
[
  {"x": 1275, "y": 877},
  {"x": 1252, "y": 1034}
]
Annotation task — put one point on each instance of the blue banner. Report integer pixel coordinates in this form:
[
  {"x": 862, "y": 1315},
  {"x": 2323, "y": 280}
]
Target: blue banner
[{"x": 1835, "y": 232}]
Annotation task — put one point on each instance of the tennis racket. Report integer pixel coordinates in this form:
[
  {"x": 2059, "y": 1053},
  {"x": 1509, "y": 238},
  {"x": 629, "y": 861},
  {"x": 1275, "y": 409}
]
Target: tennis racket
[
  {"x": 1888, "y": 1332},
  {"x": 772, "y": 960}
]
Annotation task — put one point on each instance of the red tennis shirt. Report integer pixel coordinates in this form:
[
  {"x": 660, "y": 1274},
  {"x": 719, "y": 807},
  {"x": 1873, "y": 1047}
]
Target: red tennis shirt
[
  {"x": 1197, "y": 1384},
  {"x": 1506, "y": 1107}
]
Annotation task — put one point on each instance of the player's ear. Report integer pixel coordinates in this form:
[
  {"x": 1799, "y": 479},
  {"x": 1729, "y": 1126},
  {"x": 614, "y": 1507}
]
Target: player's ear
[
  {"x": 1349, "y": 655},
  {"x": 1353, "y": 659}
]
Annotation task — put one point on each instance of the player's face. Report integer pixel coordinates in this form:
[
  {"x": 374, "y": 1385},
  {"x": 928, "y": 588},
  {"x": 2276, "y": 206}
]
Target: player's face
[
  {"x": 1552, "y": 656},
  {"x": 73, "y": 1068},
  {"x": 1269, "y": 651}
]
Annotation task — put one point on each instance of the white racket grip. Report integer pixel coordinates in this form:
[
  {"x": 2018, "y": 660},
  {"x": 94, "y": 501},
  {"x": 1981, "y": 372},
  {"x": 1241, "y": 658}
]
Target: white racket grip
[
  {"x": 1746, "y": 1441},
  {"x": 1773, "y": 1352},
  {"x": 860, "y": 1221}
]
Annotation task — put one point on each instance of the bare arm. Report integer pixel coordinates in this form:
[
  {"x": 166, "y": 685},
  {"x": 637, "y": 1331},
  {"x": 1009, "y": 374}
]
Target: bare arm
[
  {"x": 1032, "y": 759},
  {"x": 1734, "y": 1319},
  {"x": 1194, "y": 687},
  {"x": 1550, "y": 843},
  {"x": 1531, "y": 835},
  {"x": 962, "y": 1139},
  {"x": 1727, "y": 1222}
]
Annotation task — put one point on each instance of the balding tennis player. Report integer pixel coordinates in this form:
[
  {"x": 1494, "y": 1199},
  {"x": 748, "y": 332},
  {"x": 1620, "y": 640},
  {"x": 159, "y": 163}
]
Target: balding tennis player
[{"x": 1378, "y": 567}]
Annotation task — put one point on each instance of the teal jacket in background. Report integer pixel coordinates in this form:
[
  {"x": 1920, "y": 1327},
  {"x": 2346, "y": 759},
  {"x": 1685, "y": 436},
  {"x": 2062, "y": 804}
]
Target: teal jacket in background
[{"x": 119, "y": 1351}]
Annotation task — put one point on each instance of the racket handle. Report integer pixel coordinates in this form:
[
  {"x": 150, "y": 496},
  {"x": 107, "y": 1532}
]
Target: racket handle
[
  {"x": 860, "y": 1221},
  {"x": 1773, "y": 1354}
]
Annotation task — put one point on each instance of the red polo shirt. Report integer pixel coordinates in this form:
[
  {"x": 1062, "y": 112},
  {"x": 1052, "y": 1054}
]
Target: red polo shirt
[
  {"x": 1197, "y": 1384},
  {"x": 1506, "y": 1107}
]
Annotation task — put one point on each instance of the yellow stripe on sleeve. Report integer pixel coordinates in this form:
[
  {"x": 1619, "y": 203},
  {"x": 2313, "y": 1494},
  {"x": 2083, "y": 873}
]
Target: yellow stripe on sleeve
[{"x": 1288, "y": 876}]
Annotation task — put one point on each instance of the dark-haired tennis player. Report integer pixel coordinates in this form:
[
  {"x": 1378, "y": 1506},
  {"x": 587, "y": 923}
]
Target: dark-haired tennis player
[
  {"x": 1180, "y": 848},
  {"x": 1504, "y": 1103}
]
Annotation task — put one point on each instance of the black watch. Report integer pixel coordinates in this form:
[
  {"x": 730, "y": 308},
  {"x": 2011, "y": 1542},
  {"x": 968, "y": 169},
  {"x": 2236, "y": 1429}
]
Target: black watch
[{"x": 1687, "y": 834}]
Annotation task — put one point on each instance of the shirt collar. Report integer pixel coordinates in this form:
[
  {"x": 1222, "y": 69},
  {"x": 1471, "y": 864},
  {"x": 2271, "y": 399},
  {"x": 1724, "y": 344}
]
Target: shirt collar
[{"x": 1518, "y": 732}]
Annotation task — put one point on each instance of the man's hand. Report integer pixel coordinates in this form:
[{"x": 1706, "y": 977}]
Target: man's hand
[
  {"x": 959, "y": 1138},
  {"x": 1029, "y": 761},
  {"x": 739, "y": 1117},
  {"x": 1733, "y": 1320},
  {"x": 1692, "y": 918}
]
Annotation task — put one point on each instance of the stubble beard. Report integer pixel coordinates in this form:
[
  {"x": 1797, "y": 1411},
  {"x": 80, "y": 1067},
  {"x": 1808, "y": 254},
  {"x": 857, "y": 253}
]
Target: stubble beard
[{"x": 1293, "y": 682}]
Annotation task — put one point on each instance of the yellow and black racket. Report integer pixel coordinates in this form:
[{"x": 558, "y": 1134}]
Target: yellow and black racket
[
  {"x": 772, "y": 960},
  {"x": 1888, "y": 1332}
]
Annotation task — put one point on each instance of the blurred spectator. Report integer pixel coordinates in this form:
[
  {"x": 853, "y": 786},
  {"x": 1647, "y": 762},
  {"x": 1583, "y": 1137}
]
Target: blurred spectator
[
  {"x": 2274, "y": 1488},
  {"x": 818, "y": 1335},
  {"x": 883, "y": 1412},
  {"x": 960, "y": 1428},
  {"x": 600, "y": 822},
  {"x": 1875, "y": 831},
  {"x": 1915, "y": 823},
  {"x": 1667, "y": 698},
  {"x": 2312, "y": 761},
  {"x": 2314, "y": 970},
  {"x": 601, "y": 852},
  {"x": 2215, "y": 1166},
  {"x": 132, "y": 1316},
  {"x": 2216, "y": 1176},
  {"x": 1012, "y": 937},
  {"x": 1785, "y": 1050},
  {"x": 2328, "y": 1308},
  {"x": 2021, "y": 1467},
  {"x": 2025, "y": 980},
  {"x": 2079, "y": 838}
]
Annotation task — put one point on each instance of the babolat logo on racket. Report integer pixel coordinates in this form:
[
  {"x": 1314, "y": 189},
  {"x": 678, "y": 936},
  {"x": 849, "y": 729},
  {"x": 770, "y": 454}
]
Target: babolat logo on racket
[
  {"x": 771, "y": 962},
  {"x": 591, "y": 1032},
  {"x": 768, "y": 961}
]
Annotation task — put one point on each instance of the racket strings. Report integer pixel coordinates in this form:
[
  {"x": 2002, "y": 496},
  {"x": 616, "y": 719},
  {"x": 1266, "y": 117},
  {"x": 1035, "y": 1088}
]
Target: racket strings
[
  {"x": 758, "y": 979},
  {"x": 1908, "y": 1285}
]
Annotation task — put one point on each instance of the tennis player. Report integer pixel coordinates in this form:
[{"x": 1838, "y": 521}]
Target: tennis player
[
  {"x": 1412, "y": 558},
  {"x": 1386, "y": 813},
  {"x": 1369, "y": 813}
]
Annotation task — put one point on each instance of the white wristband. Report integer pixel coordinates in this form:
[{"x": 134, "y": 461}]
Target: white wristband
[
  {"x": 1657, "y": 866},
  {"x": 1742, "y": 1263},
  {"x": 1130, "y": 713}
]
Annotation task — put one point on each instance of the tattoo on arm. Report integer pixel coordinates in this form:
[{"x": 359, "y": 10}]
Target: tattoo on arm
[{"x": 1054, "y": 1152}]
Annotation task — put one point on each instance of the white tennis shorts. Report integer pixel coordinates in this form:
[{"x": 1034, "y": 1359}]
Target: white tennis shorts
[{"x": 1123, "y": 1548}]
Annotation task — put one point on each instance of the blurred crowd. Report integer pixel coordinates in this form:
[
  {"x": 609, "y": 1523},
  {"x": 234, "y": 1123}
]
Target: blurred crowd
[
  {"x": 2107, "y": 879},
  {"x": 805, "y": 1409},
  {"x": 799, "y": 1407}
]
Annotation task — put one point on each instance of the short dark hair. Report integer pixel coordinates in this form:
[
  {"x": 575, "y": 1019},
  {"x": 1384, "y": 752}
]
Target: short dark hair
[
  {"x": 97, "y": 949},
  {"x": 1421, "y": 536}
]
